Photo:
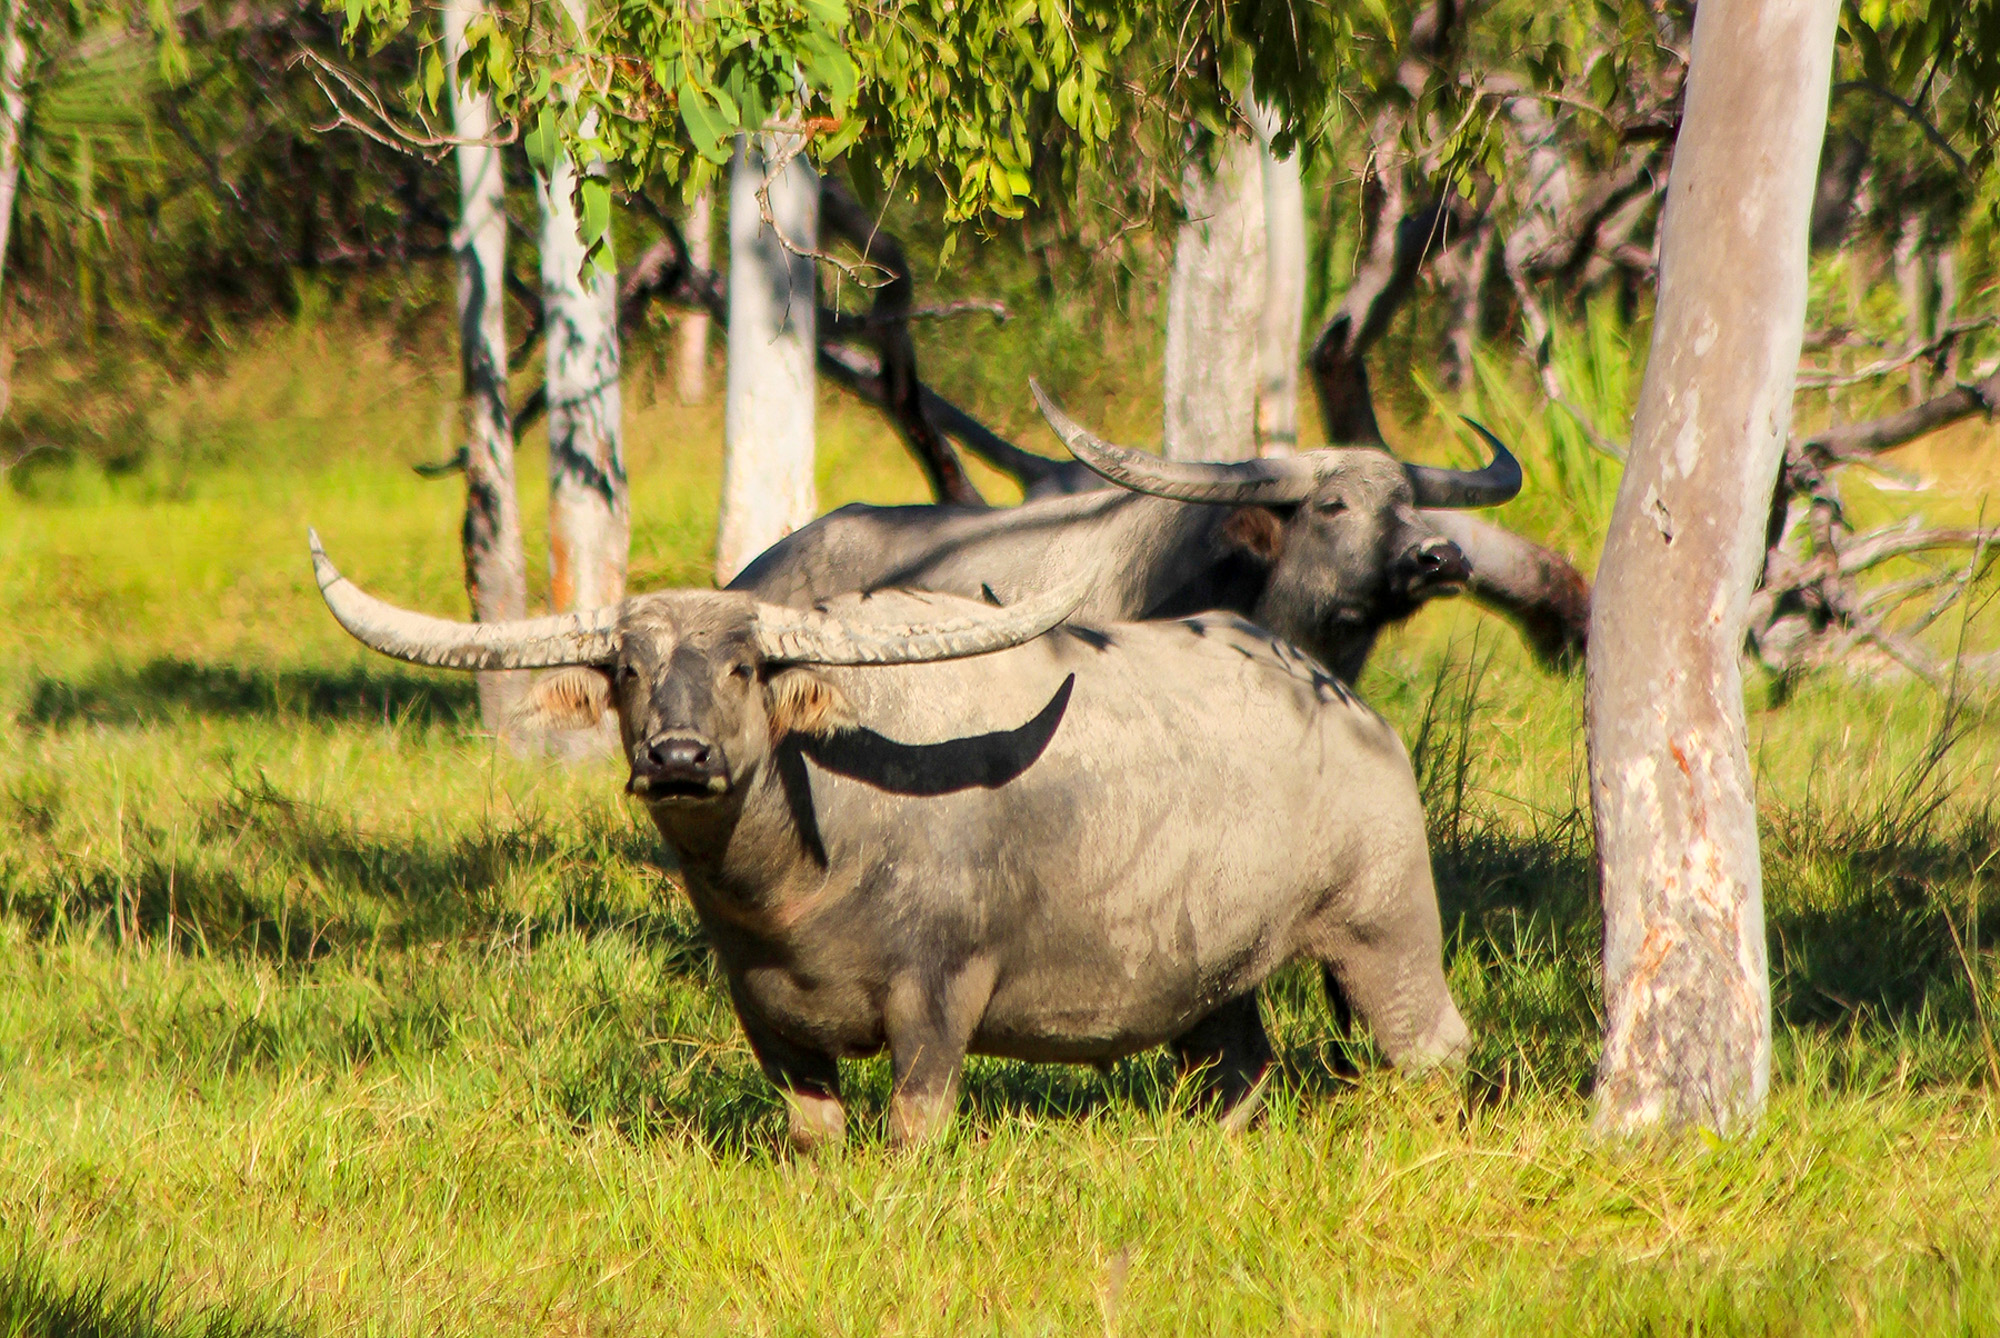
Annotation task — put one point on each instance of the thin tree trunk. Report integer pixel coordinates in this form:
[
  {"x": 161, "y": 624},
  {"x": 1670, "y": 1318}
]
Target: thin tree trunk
[
  {"x": 1214, "y": 308},
  {"x": 13, "y": 111},
  {"x": 1281, "y": 323},
  {"x": 767, "y": 462},
  {"x": 1687, "y": 985},
  {"x": 496, "y": 575},
  {"x": 1913, "y": 286},
  {"x": 1471, "y": 266},
  {"x": 1946, "y": 265},
  {"x": 691, "y": 351},
  {"x": 590, "y": 524}
]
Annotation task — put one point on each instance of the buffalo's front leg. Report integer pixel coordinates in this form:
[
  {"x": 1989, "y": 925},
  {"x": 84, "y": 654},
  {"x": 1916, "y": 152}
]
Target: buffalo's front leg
[
  {"x": 929, "y": 1024},
  {"x": 809, "y": 1080},
  {"x": 1231, "y": 1052}
]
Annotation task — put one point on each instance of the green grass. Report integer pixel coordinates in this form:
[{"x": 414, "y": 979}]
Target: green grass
[{"x": 319, "y": 1016}]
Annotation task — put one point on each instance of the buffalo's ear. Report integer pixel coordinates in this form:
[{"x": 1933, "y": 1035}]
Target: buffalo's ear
[
  {"x": 1257, "y": 531},
  {"x": 804, "y": 703},
  {"x": 573, "y": 698}
]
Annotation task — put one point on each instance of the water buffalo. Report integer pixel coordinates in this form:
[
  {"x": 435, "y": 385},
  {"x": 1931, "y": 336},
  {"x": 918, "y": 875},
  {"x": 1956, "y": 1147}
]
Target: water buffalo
[
  {"x": 1324, "y": 549},
  {"x": 1071, "y": 849}
]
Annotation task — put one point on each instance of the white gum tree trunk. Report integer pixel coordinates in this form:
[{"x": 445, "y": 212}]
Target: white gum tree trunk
[
  {"x": 1215, "y": 308},
  {"x": 691, "y": 351},
  {"x": 1281, "y": 324},
  {"x": 590, "y": 520},
  {"x": 767, "y": 426},
  {"x": 13, "y": 114},
  {"x": 1687, "y": 985},
  {"x": 13, "y": 111},
  {"x": 496, "y": 574}
]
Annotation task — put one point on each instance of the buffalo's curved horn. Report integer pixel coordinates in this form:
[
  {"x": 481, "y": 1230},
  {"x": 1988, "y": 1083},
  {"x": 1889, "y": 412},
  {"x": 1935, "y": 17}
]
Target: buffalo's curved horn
[
  {"x": 1458, "y": 489},
  {"x": 1247, "y": 482},
  {"x": 520, "y": 643},
  {"x": 807, "y": 636}
]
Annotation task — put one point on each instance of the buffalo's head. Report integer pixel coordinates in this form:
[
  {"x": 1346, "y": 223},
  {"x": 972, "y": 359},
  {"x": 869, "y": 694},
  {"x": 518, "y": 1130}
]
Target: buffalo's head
[
  {"x": 1343, "y": 532},
  {"x": 703, "y": 682}
]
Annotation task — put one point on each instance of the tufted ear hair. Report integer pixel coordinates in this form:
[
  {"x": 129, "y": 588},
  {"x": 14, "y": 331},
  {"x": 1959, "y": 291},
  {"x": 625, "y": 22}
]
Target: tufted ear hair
[
  {"x": 801, "y": 702},
  {"x": 573, "y": 698},
  {"x": 1257, "y": 531}
]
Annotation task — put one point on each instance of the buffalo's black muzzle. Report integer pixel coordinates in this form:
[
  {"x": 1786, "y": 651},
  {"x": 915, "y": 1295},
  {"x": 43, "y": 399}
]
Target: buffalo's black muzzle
[
  {"x": 1434, "y": 567},
  {"x": 678, "y": 766}
]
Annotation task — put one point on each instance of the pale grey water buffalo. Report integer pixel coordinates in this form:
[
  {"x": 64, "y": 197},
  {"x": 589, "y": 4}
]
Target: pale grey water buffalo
[
  {"x": 1070, "y": 849},
  {"x": 1324, "y": 549}
]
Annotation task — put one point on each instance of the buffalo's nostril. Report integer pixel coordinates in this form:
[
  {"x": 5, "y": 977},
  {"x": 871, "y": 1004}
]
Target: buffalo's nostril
[
  {"x": 679, "y": 765},
  {"x": 682, "y": 754}
]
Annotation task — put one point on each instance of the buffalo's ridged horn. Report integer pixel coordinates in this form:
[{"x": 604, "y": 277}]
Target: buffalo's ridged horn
[
  {"x": 1271, "y": 482},
  {"x": 1274, "y": 482},
  {"x": 1458, "y": 489},
  {"x": 806, "y": 636},
  {"x": 520, "y": 643}
]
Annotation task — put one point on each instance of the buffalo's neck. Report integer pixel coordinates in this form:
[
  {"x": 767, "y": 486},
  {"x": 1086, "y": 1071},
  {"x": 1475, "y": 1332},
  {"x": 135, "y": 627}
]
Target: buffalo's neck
[
  {"x": 1339, "y": 637},
  {"x": 1180, "y": 563},
  {"x": 749, "y": 858}
]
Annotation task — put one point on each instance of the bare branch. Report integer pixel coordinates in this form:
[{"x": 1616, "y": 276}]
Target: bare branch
[
  {"x": 1879, "y": 546},
  {"x": 866, "y": 275},
  {"x": 25, "y": 454},
  {"x": 1913, "y": 112},
  {"x": 1817, "y": 380},
  {"x": 377, "y": 123},
  {"x": 1858, "y": 441}
]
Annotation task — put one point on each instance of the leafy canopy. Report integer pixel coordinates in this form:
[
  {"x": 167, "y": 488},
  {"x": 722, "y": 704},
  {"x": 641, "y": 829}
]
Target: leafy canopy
[{"x": 998, "y": 101}]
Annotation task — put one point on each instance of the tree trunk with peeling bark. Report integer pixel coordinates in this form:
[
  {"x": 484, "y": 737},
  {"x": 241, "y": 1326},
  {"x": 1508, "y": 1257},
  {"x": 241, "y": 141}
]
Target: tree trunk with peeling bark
[
  {"x": 691, "y": 332},
  {"x": 590, "y": 522},
  {"x": 767, "y": 462},
  {"x": 1687, "y": 983},
  {"x": 1215, "y": 301},
  {"x": 496, "y": 574}
]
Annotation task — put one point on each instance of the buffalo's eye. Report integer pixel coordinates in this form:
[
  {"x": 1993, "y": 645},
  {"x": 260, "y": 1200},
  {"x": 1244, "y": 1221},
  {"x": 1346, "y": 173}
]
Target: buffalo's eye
[
  {"x": 627, "y": 674},
  {"x": 1330, "y": 506},
  {"x": 744, "y": 670}
]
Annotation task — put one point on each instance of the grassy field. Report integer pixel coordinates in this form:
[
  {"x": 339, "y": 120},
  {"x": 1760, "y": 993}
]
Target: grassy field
[{"x": 319, "y": 1016}]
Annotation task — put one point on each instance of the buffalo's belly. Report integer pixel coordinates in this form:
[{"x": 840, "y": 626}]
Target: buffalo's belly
[{"x": 1079, "y": 1006}]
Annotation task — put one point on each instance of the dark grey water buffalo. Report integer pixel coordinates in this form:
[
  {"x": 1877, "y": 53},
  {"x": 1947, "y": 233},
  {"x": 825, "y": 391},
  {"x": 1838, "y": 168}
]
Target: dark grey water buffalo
[
  {"x": 1071, "y": 849},
  {"x": 1324, "y": 549}
]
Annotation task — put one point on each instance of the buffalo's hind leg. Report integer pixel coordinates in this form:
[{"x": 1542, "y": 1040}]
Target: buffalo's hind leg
[
  {"x": 1230, "y": 1051},
  {"x": 1343, "y": 1024},
  {"x": 1389, "y": 964}
]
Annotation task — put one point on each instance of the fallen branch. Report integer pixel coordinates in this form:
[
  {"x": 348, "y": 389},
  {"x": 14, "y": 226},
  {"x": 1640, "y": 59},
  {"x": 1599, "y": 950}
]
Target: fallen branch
[
  {"x": 1537, "y": 589},
  {"x": 1338, "y": 360},
  {"x": 888, "y": 329}
]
